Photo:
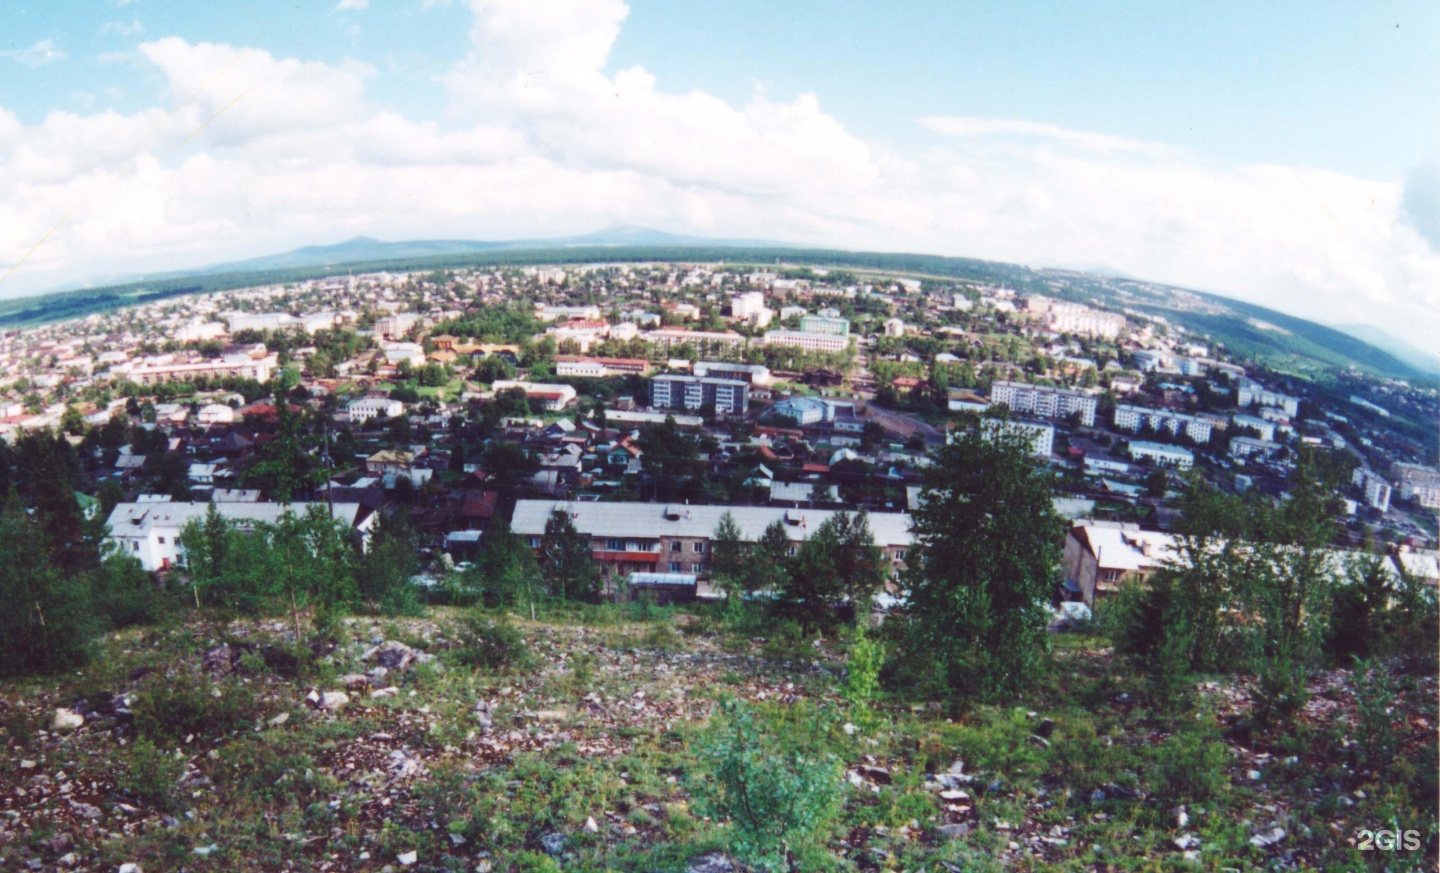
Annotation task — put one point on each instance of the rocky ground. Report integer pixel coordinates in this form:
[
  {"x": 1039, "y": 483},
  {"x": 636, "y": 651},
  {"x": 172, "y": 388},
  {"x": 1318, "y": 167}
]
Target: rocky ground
[{"x": 206, "y": 747}]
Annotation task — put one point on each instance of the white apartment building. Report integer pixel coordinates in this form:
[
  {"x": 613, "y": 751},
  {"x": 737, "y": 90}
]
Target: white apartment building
[
  {"x": 199, "y": 331},
  {"x": 239, "y": 321},
  {"x": 551, "y": 397},
  {"x": 1417, "y": 482},
  {"x": 1074, "y": 318},
  {"x": 1043, "y": 401},
  {"x": 366, "y": 408},
  {"x": 1133, "y": 418},
  {"x": 751, "y": 307},
  {"x": 810, "y": 342},
  {"x": 1265, "y": 429},
  {"x": 1252, "y": 393},
  {"x": 1162, "y": 455},
  {"x": 1040, "y": 436},
  {"x": 756, "y": 374},
  {"x": 150, "y": 532},
  {"x": 395, "y": 326},
  {"x": 671, "y": 337},
  {"x": 567, "y": 313},
  {"x": 1374, "y": 487},
  {"x": 216, "y": 413},
  {"x": 894, "y": 327},
  {"x": 1246, "y": 447},
  {"x": 242, "y": 365}
]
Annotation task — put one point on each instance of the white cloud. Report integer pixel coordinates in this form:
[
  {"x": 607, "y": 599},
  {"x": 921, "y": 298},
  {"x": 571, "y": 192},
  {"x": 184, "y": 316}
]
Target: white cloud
[
  {"x": 122, "y": 28},
  {"x": 41, "y": 53},
  {"x": 352, "y": 5},
  {"x": 252, "y": 153}
]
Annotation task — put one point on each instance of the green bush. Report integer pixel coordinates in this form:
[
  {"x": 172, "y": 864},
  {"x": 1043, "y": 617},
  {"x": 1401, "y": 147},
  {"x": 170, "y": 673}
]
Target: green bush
[
  {"x": 125, "y": 594},
  {"x": 490, "y": 644},
  {"x": 1375, "y": 695},
  {"x": 1190, "y": 766},
  {"x": 862, "y": 677},
  {"x": 169, "y": 708},
  {"x": 778, "y": 797},
  {"x": 151, "y": 774}
]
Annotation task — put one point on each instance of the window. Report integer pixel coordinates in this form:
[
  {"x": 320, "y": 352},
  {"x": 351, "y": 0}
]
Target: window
[
  {"x": 135, "y": 547},
  {"x": 899, "y": 554},
  {"x": 614, "y": 545},
  {"x": 162, "y": 540},
  {"x": 534, "y": 542},
  {"x": 675, "y": 547},
  {"x": 699, "y": 548},
  {"x": 674, "y": 567},
  {"x": 791, "y": 551}
]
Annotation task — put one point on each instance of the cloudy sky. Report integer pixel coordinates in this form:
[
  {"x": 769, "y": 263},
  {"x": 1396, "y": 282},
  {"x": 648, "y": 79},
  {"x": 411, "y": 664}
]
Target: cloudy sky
[{"x": 1283, "y": 153}]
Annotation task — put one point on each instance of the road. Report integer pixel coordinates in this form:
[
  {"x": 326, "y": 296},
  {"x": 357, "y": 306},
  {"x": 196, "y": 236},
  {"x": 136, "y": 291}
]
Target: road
[{"x": 905, "y": 424}]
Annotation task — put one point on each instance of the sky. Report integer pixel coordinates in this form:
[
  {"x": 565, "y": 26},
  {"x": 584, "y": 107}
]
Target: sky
[{"x": 1283, "y": 153}]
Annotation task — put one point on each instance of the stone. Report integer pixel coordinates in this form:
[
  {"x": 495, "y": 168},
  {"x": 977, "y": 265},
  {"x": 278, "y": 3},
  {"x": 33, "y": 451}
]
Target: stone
[
  {"x": 1045, "y": 728},
  {"x": 279, "y": 720},
  {"x": 1184, "y": 841},
  {"x": 388, "y": 691},
  {"x": 1039, "y": 741},
  {"x": 553, "y": 843},
  {"x": 66, "y": 720},
  {"x": 878, "y": 775},
  {"x": 407, "y": 859},
  {"x": 353, "y": 681},
  {"x": 549, "y": 715},
  {"x": 1097, "y": 795},
  {"x": 1268, "y": 839},
  {"x": 129, "y": 868},
  {"x": 334, "y": 701},
  {"x": 394, "y": 655},
  {"x": 313, "y": 698},
  {"x": 954, "y": 795},
  {"x": 590, "y": 826},
  {"x": 953, "y": 831},
  {"x": 483, "y": 714},
  {"x": 711, "y": 862}
]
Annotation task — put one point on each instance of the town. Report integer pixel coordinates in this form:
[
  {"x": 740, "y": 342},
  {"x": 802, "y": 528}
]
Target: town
[{"x": 459, "y": 396}]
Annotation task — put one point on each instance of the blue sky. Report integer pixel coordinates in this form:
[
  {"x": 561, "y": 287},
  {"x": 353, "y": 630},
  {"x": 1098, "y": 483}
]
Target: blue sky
[{"x": 1281, "y": 152}]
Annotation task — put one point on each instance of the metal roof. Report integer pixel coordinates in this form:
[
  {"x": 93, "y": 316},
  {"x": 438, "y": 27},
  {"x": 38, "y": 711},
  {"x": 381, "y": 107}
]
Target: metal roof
[
  {"x": 137, "y": 519},
  {"x": 635, "y": 520}
]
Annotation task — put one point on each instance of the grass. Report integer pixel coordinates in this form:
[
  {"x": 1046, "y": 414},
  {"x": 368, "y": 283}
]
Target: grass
[{"x": 605, "y": 722}]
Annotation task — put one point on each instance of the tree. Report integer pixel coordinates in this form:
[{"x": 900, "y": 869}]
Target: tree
[
  {"x": 728, "y": 553},
  {"x": 838, "y": 562},
  {"x": 505, "y": 571},
  {"x": 983, "y": 567},
  {"x": 670, "y": 457},
  {"x": 565, "y": 561},
  {"x": 384, "y": 571},
  {"x": 72, "y": 422},
  {"x": 47, "y": 621}
]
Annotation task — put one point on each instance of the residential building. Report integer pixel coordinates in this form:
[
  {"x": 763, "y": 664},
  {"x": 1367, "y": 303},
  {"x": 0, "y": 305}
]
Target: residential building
[
  {"x": 893, "y": 327},
  {"x": 750, "y": 307},
  {"x": 151, "y": 531},
  {"x": 1374, "y": 488},
  {"x": 1162, "y": 455},
  {"x": 1040, "y": 436},
  {"x": 1044, "y": 402},
  {"x": 366, "y": 408},
  {"x": 1247, "y": 447},
  {"x": 810, "y": 342},
  {"x": 654, "y": 537},
  {"x": 1252, "y": 393},
  {"x": 1077, "y": 319},
  {"x": 1263, "y": 428},
  {"x": 393, "y": 327},
  {"x": 573, "y": 365},
  {"x": 670, "y": 337},
  {"x": 1135, "y": 418},
  {"x": 567, "y": 313},
  {"x": 551, "y": 398},
  {"x": 1418, "y": 483},
  {"x": 804, "y": 410},
  {"x": 672, "y": 391},
  {"x": 757, "y": 375},
  {"x": 244, "y": 365},
  {"x": 1100, "y": 556}
]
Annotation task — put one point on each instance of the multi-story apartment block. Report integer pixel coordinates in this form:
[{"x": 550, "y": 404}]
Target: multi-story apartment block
[
  {"x": 1418, "y": 483},
  {"x": 751, "y": 307},
  {"x": 671, "y": 337},
  {"x": 366, "y": 408},
  {"x": 1162, "y": 454},
  {"x": 755, "y": 374},
  {"x": 1074, "y": 318},
  {"x": 1044, "y": 402},
  {"x": 1133, "y": 418},
  {"x": 1040, "y": 436},
  {"x": 729, "y": 396},
  {"x": 1374, "y": 488},
  {"x": 1245, "y": 447},
  {"x": 246, "y": 366},
  {"x": 810, "y": 342},
  {"x": 1252, "y": 393}
]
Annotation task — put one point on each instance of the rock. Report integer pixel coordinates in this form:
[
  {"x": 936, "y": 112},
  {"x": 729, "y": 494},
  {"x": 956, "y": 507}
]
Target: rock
[
  {"x": 954, "y": 795},
  {"x": 66, "y": 720},
  {"x": 68, "y": 860},
  {"x": 1268, "y": 839},
  {"x": 483, "y": 714},
  {"x": 1252, "y": 775},
  {"x": 407, "y": 859},
  {"x": 953, "y": 831},
  {"x": 878, "y": 775},
  {"x": 313, "y": 698},
  {"x": 389, "y": 691},
  {"x": 849, "y": 729},
  {"x": 590, "y": 826},
  {"x": 1039, "y": 741},
  {"x": 711, "y": 862},
  {"x": 393, "y": 655},
  {"x": 27, "y": 764},
  {"x": 553, "y": 843},
  {"x": 1182, "y": 818},
  {"x": 204, "y": 851},
  {"x": 279, "y": 720},
  {"x": 549, "y": 715},
  {"x": 129, "y": 868},
  {"x": 458, "y": 840},
  {"x": 1097, "y": 795},
  {"x": 353, "y": 681},
  {"x": 1184, "y": 841},
  {"x": 1045, "y": 728},
  {"x": 333, "y": 701}
]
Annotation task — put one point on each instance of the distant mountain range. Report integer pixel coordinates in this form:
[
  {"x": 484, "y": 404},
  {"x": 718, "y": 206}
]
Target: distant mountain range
[
  {"x": 364, "y": 249},
  {"x": 1250, "y": 333}
]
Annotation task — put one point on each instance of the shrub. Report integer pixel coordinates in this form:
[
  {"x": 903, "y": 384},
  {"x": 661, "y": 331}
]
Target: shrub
[
  {"x": 490, "y": 644},
  {"x": 125, "y": 594},
  {"x": 151, "y": 774},
  {"x": 862, "y": 677},
  {"x": 777, "y": 796},
  {"x": 171, "y": 708},
  {"x": 1190, "y": 766},
  {"x": 1375, "y": 695}
]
